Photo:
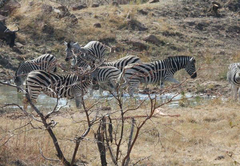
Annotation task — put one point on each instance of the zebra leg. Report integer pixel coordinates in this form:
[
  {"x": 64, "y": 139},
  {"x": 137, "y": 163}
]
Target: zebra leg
[
  {"x": 130, "y": 91},
  {"x": 25, "y": 102},
  {"x": 78, "y": 100},
  {"x": 91, "y": 91},
  {"x": 133, "y": 87},
  {"x": 161, "y": 84},
  {"x": 238, "y": 94},
  {"x": 33, "y": 92},
  {"x": 234, "y": 92},
  {"x": 113, "y": 87},
  {"x": 100, "y": 91},
  {"x": 78, "y": 95}
]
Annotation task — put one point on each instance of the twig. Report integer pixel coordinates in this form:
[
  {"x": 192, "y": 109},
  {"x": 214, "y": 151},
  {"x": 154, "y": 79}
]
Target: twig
[
  {"x": 41, "y": 152},
  {"x": 23, "y": 110},
  {"x": 8, "y": 84},
  {"x": 142, "y": 160},
  {"x": 130, "y": 139}
]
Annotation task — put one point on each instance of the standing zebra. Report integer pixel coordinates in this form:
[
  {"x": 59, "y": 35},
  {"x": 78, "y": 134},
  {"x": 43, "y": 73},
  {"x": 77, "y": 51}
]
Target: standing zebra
[
  {"x": 93, "y": 51},
  {"x": 233, "y": 77},
  {"x": 156, "y": 72},
  {"x": 56, "y": 86},
  {"x": 122, "y": 62},
  {"x": 105, "y": 77},
  {"x": 45, "y": 62}
]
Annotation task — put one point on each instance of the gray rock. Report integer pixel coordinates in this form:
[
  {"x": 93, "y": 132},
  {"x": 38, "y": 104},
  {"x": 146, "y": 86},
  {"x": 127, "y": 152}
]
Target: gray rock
[
  {"x": 95, "y": 5},
  {"x": 97, "y": 25},
  {"x": 153, "y": 1},
  {"x": 154, "y": 40},
  {"x": 79, "y": 7}
]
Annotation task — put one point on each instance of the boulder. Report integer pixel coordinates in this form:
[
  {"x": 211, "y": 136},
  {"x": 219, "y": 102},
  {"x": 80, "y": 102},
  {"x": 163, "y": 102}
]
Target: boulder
[
  {"x": 154, "y": 40},
  {"x": 153, "y": 1},
  {"x": 61, "y": 11},
  {"x": 114, "y": 3},
  {"x": 47, "y": 29},
  {"x": 47, "y": 8},
  {"x": 95, "y": 5},
  {"x": 9, "y": 7},
  {"x": 79, "y": 7},
  {"x": 97, "y": 25},
  {"x": 143, "y": 12},
  {"x": 136, "y": 25},
  {"x": 137, "y": 44}
]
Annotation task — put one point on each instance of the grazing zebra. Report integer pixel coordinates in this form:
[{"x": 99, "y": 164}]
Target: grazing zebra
[
  {"x": 56, "y": 86},
  {"x": 45, "y": 62},
  {"x": 233, "y": 77},
  {"x": 122, "y": 62},
  {"x": 105, "y": 78},
  {"x": 93, "y": 51},
  {"x": 156, "y": 72}
]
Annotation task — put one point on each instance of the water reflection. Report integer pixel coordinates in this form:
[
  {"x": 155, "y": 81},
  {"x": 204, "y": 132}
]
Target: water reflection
[{"x": 10, "y": 95}]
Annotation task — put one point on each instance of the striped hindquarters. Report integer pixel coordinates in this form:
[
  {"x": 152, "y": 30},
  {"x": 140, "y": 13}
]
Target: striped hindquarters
[
  {"x": 54, "y": 85},
  {"x": 95, "y": 49},
  {"x": 45, "y": 62},
  {"x": 143, "y": 73},
  {"x": 122, "y": 62},
  {"x": 106, "y": 73}
]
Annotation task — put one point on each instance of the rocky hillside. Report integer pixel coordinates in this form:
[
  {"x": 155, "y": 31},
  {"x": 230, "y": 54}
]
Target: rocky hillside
[{"x": 208, "y": 31}]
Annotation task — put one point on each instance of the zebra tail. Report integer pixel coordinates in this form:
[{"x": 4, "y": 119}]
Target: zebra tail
[
  {"x": 121, "y": 80},
  {"x": 55, "y": 70}
]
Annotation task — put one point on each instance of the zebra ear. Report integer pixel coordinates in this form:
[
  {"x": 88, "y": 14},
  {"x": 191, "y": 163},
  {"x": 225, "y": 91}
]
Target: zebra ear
[
  {"x": 192, "y": 60},
  {"x": 238, "y": 65},
  {"x": 65, "y": 43}
]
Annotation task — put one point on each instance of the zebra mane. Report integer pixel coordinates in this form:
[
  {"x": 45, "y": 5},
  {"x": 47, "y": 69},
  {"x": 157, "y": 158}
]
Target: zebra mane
[
  {"x": 68, "y": 44},
  {"x": 20, "y": 64},
  {"x": 181, "y": 56},
  {"x": 190, "y": 58}
]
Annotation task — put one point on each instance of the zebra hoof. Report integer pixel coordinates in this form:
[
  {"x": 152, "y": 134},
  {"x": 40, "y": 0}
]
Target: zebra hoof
[{"x": 25, "y": 103}]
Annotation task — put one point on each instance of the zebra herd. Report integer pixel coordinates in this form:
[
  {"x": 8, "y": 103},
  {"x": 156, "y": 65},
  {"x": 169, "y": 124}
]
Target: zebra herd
[{"x": 92, "y": 72}]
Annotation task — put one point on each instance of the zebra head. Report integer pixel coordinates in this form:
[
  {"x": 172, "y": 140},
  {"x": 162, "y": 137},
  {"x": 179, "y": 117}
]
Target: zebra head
[
  {"x": 18, "y": 81},
  {"x": 190, "y": 67},
  {"x": 72, "y": 47}
]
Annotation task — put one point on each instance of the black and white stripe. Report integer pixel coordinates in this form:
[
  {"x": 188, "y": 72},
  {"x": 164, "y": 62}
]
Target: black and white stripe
[
  {"x": 106, "y": 78},
  {"x": 57, "y": 86},
  {"x": 92, "y": 51},
  {"x": 233, "y": 77},
  {"x": 45, "y": 62},
  {"x": 156, "y": 72},
  {"x": 122, "y": 62}
]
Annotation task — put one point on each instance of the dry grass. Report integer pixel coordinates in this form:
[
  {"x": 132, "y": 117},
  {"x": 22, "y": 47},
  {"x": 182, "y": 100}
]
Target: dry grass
[{"x": 202, "y": 135}]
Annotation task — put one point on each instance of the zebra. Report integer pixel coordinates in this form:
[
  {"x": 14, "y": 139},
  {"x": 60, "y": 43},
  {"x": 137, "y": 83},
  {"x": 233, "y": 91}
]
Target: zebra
[
  {"x": 122, "y": 62},
  {"x": 92, "y": 51},
  {"x": 105, "y": 77},
  {"x": 56, "y": 86},
  {"x": 44, "y": 62},
  {"x": 233, "y": 77},
  {"x": 156, "y": 72},
  {"x": 79, "y": 63}
]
